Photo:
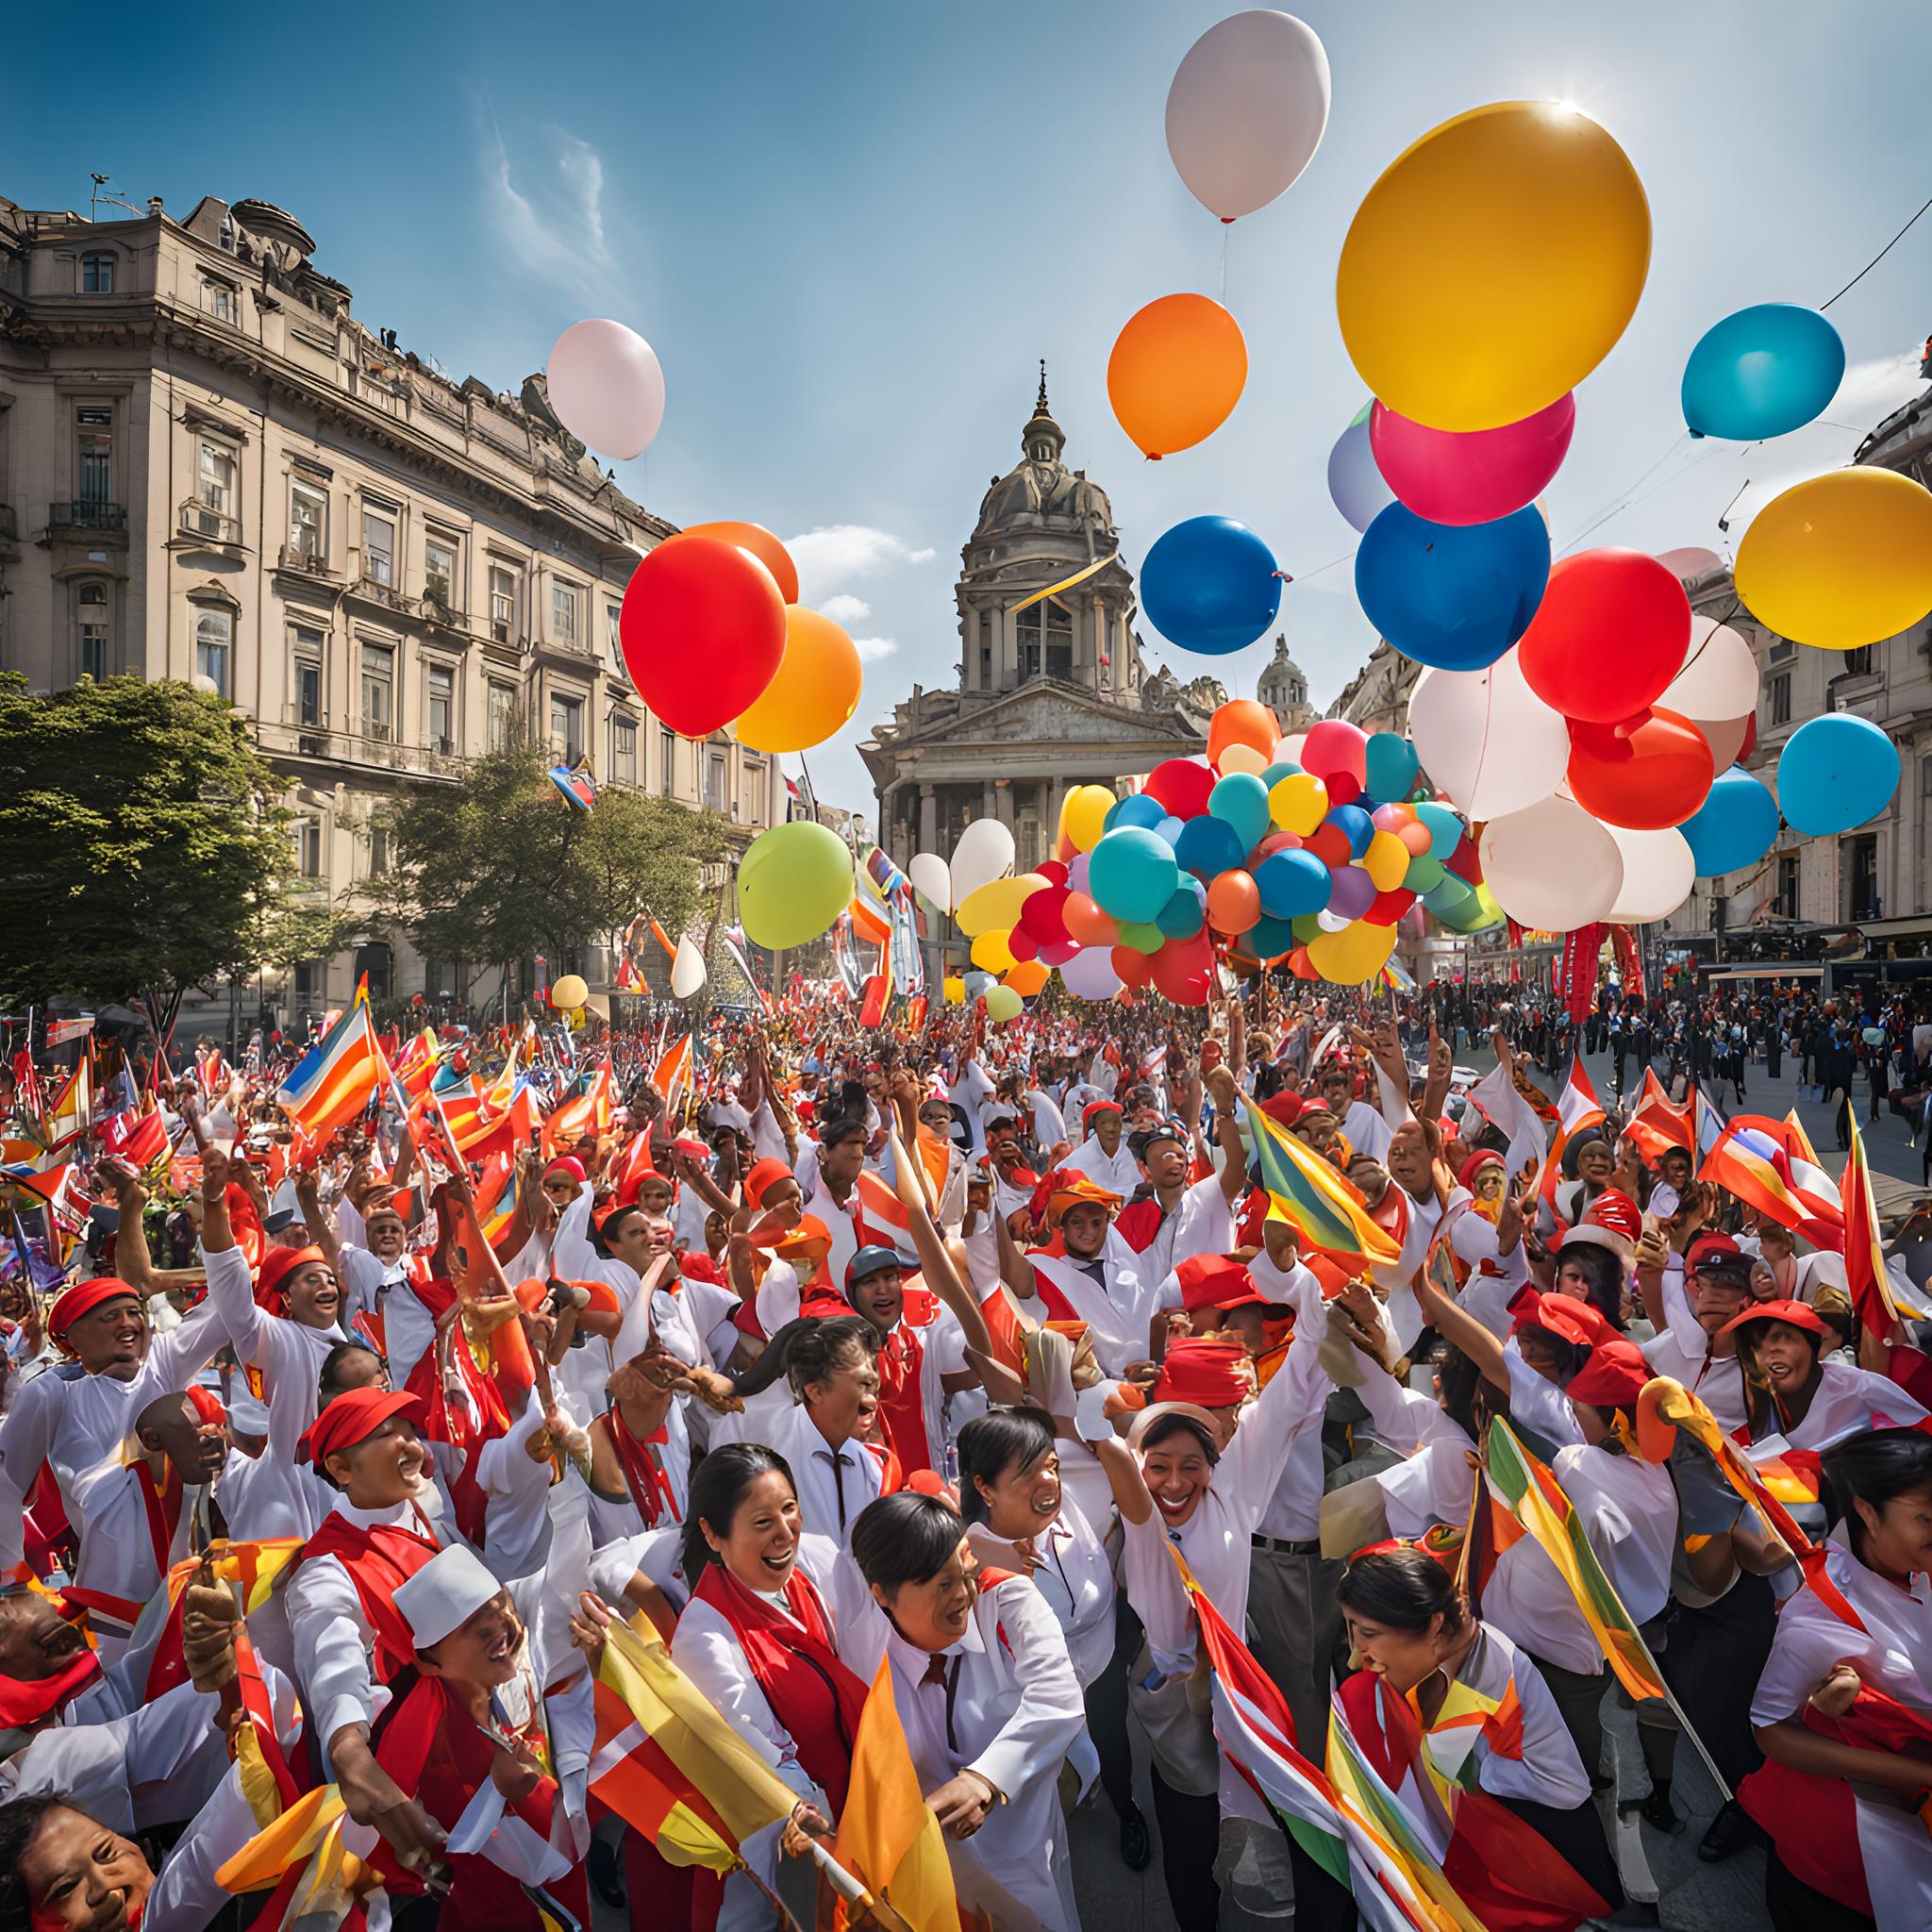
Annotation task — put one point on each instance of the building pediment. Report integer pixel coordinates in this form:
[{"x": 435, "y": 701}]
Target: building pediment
[{"x": 1047, "y": 711}]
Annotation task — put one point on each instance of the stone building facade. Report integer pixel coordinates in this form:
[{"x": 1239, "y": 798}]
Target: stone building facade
[
  {"x": 1376, "y": 697},
  {"x": 211, "y": 469}
]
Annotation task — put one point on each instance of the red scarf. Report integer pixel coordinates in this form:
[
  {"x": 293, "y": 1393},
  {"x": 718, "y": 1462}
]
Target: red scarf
[
  {"x": 811, "y": 1693},
  {"x": 902, "y": 1409},
  {"x": 377, "y": 1559},
  {"x": 163, "y": 1507},
  {"x": 650, "y": 1488},
  {"x": 24, "y": 1703}
]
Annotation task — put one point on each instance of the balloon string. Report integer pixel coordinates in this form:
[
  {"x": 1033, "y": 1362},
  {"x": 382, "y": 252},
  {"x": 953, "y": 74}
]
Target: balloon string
[
  {"x": 1875, "y": 259},
  {"x": 1224, "y": 264}
]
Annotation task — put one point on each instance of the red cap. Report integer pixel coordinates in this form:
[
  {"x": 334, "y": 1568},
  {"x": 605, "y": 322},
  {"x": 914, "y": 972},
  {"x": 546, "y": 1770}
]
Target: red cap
[
  {"x": 1211, "y": 1374},
  {"x": 1097, "y": 1106},
  {"x": 353, "y": 1417},
  {"x": 763, "y": 1174},
  {"x": 566, "y": 1163},
  {"x": 82, "y": 1298},
  {"x": 1216, "y": 1281},
  {"x": 1466, "y": 1174},
  {"x": 1618, "y": 1212},
  {"x": 1798, "y": 1314},
  {"x": 277, "y": 1265},
  {"x": 1613, "y": 1377},
  {"x": 1561, "y": 1315},
  {"x": 1285, "y": 1109},
  {"x": 1711, "y": 1247}
]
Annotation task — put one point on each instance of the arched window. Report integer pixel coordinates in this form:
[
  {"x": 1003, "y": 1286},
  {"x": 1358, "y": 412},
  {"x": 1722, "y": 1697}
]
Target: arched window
[
  {"x": 1045, "y": 634},
  {"x": 214, "y": 643},
  {"x": 96, "y": 274},
  {"x": 90, "y": 631}
]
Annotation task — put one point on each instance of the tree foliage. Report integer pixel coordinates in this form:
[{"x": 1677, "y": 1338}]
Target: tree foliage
[
  {"x": 499, "y": 867},
  {"x": 143, "y": 843}
]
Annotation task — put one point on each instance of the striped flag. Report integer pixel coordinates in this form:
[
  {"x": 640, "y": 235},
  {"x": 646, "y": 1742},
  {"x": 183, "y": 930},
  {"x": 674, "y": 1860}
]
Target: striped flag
[
  {"x": 1578, "y": 1108},
  {"x": 1710, "y": 1124},
  {"x": 72, "y": 1110},
  {"x": 138, "y": 1140},
  {"x": 671, "y": 1072},
  {"x": 1871, "y": 1291},
  {"x": 881, "y": 1219},
  {"x": 1326, "y": 1206},
  {"x": 1753, "y": 1160},
  {"x": 586, "y": 1113},
  {"x": 337, "y": 1077}
]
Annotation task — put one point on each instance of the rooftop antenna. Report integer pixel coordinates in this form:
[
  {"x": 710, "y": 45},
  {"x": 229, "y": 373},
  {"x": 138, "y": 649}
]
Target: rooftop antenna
[{"x": 94, "y": 201}]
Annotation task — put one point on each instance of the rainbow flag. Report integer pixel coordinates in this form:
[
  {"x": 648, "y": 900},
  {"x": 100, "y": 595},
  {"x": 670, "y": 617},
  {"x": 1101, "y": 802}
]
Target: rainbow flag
[
  {"x": 1326, "y": 1206},
  {"x": 337, "y": 1077}
]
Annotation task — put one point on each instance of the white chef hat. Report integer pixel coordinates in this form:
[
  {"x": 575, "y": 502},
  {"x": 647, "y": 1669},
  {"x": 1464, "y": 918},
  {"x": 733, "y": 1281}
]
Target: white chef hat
[{"x": 443, "y": 1595}]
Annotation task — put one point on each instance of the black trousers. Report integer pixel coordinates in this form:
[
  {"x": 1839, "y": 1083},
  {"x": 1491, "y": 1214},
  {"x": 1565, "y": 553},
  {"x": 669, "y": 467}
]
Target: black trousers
[
  {"x": 1190, "y": 1837},
  {"x": 1106, "y": 1710},
  {"x": 1711, "y": 1660},
  {"x": 1793, "y": 1907}
]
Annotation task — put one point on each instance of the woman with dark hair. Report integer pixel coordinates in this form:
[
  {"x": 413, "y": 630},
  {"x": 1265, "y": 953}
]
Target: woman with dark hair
[
  {"x": 759, "y": 1640},
  {"x": 1589, "y": 1164},
  {"x": 58, "y": 1868},
  {"x": 1591, "y": 1265},
  {"x": 1844, "y": 1709},
  {"x": 988, "y": 1699},
  {"x": 1439, "y": 1690},
  {"x": 1793, "y": 1390}
]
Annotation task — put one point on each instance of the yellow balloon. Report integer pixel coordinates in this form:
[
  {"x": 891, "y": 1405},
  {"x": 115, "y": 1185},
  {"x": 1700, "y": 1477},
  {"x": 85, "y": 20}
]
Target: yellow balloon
[
  {"x": 1027, "y": 976},
  {"x": 1493, "y": 265},
  {"x": 994, "y": 907},
  {"x": 1083, "y": 815},
  {"x": 1843, "y": 560},
  {"x": 1003, "y": 1003},
  {"x": 569, "y": 992},
  {"x": 1353, "y": 954},
  {"x": 1298, "y": 803},
  {"x": 992, "y": 953},
  {"x": 954, "y": 989},
  {"x": 1385, "y": 861}
]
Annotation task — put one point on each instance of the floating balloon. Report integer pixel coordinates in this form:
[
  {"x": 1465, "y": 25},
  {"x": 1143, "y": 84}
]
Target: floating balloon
[
  {"x": 1083, "y": 815},
  {"x": 1385, "y": 861},
  {"x": 931, "y": 879},
  {"x": 687, "y": 971},
  {"x": 1143, "y": 936},
  {"x": 1184, "y": 915},
  {"x": 996, "y": 905},
  {"x": 1843, "y": 560},
  {"x": 1292, "y": 884},
  {"x": 1240, "y": 800},
  {"x": 1446, "y": 829},
  {"x": 1209, "y": 846},
  {"x": 990, "y": 952},
  {"x": 1453, "y": 598},
  {"x": 1132, "y": 968},
  {"x": 1026, "y": 978},
  {"x": 792, "y": 882},
  {"x": 1493, "y": 265},
  {"x": 1178, "y": 785},
  {"x": 1351, "y": 891},
  {"x": 1335, "y": 748},
  {"x": 1234, "y": 902},
  {"x": 1356, "y": 825},
  {"x": 1043, "y": 914},
  {"x": 1142, "y": 808},
  {"x": 954, "y": 990},
  {"x": 984, "y": 852},
  {"x": 1004, "y": 1004},
  {"x": 1132, "y": 874},
  {"x": 1835, "y": 773},
  {"x": 702, "y": 632},
  {"x": 1720, "y": 674},
  {"x": 1734, "y": 826},
  {"x": 1176, "y": 371},
  {"x": 1246, "y": 110},
  {"x": 1184, "y": 969},
  {"x": 1087, "y": 923},
  {"x": 1357, "y": 489},
  {"x": 1023, "y": 945},
  {"x": 1690, "y": 562},
  {"x": 1355, "y": 953},
  {"x": 1241, "y": 724},
  {"x": 1727, "y": 738},
  {"x": 761, "y": 544},
  {"x": 1270, "y": 937},
  {"x": 1551, "y": 865},
  {"x": 606, "y": 387},
  {"x": 1610, "y": 635},
  {"x": 1388, "y": 767},
  {"x": 1472, "y": 476},
  {"x": 1057, "y": 952},
  {"x": 1487, "y": 738},
  {"x": 1090, "y": 975},
  {"x": 1763, "y": 371},
  {"x": 569, "y": 992},
  {"x": 1211, "y": 585},
  {"x": 815, "y": 691},
  {"x": 1646, "y": 778},
  {"x": 1658, "y": 873}
]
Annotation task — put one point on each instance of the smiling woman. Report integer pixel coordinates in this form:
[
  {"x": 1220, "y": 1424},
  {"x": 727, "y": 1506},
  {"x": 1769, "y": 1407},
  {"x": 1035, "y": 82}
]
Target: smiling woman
[{"x": 60, "y": 1868}]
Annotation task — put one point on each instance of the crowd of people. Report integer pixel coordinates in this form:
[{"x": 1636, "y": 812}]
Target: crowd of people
[{"x": 976, "y": 1362}]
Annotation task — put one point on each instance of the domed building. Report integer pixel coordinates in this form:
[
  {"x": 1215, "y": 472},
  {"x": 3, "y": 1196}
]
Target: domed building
[
  {"x": 1051, "y": 693},
  {"x": 1284, "y": 689}
]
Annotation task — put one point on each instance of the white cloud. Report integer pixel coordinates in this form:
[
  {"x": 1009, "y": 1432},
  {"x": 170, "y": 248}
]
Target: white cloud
[
  {"x": 871, "y": 649},
  {"x": 1871, "y": 391},
  {"x": 555, "y": 231},
  {"x": 843, "y": 608},
  {"x": 831, "y": 557}
]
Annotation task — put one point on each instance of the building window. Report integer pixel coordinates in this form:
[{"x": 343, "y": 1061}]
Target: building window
[
  {"x": 567, "y": 726},
  {"x": 748, "y": 795},
  {"x": 1786, "y": 901},
  {"x": 1858, "y": 660},
  {"x": 1858, "y": 868},
  {"x": 218, "y": 299},
  {"x": 985, "y": 650},
  {"x": 307, "y": 644},
  {"x": 439, "y": 707},
  {"x": 217, "y": 473},
  {"x": 95, "y": 466},
  {"x": 96, "y": 274},
  {"x": 1780, "y": 651},
  {"x": 379, "y": 851},
  {"x": 714, "y": 782},
  {"x": 502, "y": 602},
  {"x": 311, "y": 975},
  {"x": 378, "y": 547},
  {"x": 93, "y": 634},
  {"x": 623, "y": 750},
  {"x": 667, "y": 759},
  {"x": 379, "y": 693},
  {"x": 440, "y": 571},
  {"x": 1046, "y": 641},
  {"x": 563, "y": 614},
  {"x": 214, "y": 639},
  {"x": 502, "y": 722},
  {"x": 307, "y": 836},
  {"x": 1778, "y": 692},
  {"x": 308, "y": 523},
  {"x": 613, "y": 631}
]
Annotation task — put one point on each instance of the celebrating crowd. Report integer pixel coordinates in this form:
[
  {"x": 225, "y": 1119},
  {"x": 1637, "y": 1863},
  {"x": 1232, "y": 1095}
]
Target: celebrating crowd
[{"x": 1358, "y": 1435}]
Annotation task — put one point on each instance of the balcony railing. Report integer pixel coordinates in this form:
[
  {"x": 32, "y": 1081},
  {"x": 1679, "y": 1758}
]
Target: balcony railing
[
  {"x": 87, "y": 514},
  {"x": 200, "y": 519},
  {"x": 310, "y": 563}
]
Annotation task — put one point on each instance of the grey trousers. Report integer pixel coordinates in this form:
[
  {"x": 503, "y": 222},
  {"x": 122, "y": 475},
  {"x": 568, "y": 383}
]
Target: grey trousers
[{"x": 1294, "y": 1629}]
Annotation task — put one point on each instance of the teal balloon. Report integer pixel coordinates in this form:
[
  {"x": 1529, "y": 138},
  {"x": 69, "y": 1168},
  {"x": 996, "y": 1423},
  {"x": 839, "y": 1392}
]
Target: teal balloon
[
  {"x": 1280, "y": 768},
  {"x": 1134, "y": 810},
  {"x": 1241, "y": 800},
  {"x": 1183, "y": 915},
  {"x": 1293, "y": 884},
  {"x": 1425, "y": 874},
  {"x": 1764, "y": 371},
  {"x": 1131, "y": 872},
  {"x": 1735, "y": 826},
  {"x": 1446, "y": 829},
  {"x": 1390, "y": 767},
  {"x": 1209, "y": 846},
  {"x": 1268, "y": 939},
  {"x": 1142, "y": 936},
  {"x": 1836, "y": 772}
]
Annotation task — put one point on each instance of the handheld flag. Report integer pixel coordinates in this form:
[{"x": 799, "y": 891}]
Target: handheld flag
[
  {"x": 337, "y": 1077},
  {"x": 1326, "y": 1206}
]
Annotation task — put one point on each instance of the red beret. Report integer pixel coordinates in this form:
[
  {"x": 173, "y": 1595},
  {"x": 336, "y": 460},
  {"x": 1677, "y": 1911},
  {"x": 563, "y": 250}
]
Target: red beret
[
  {"x": 1097, "y": 1106},
  {"x": 1561, "y": 1315},
  {"x": 1216, "y": 1281},
  {"x": 1466, "y": 1174},
  {"x": 566, "y": 1163},
  {"x": 82, "y": 1298},
  {"x": 1211, "y": 1374},
  {"x": 277, "y": 1265},
  {"x": 1613, "y": 1377},
  {"x": 1797, "y": 1314},
  {"x": 353, "y": 1417}
]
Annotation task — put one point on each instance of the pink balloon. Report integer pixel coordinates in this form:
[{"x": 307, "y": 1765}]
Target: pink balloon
[
  {"x": 1057, "y": 952},
  {"x": 1471, "y": 477},
  {"x": 1337, "y": 749}
]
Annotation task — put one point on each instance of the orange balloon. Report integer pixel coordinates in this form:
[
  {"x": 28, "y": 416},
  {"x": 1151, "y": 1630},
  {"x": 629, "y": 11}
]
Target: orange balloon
[
  {"x": 1176, "y": 371},
  {"x": 1241, "y": 721},
  {"x": 1418, "y": 837},
  {"x": 762, "y": 544},
  {"x": 1028, "y": 978},
  {"x": 1234, "y": 902},
  {"x": 1086, "y": 923},
  {"x": 815, "y": 691},
  {"x": 1301, "y": 965}
]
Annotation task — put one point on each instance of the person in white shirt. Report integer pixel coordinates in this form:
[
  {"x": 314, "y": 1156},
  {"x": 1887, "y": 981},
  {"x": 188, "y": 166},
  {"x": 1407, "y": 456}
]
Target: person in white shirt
[
  {"x": 1798, "y": 1394},
  {"x": 1104, "y": 1156}
]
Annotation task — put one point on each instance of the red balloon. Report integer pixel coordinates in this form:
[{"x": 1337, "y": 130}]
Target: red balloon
[
  {"x": 703, "y": 631},
  {"x": 1044, "y": 915},
  {"x": 1345, "y": 788},
  {"x": 1750, "y": 737},
  {"x": 1021, "y": 944},
  {"x": 1131, "y": 968},
  {"x": 1301, "y": 965},
  {"x": 1184, "y": 969},
  {"x": 1057, "y": 952},
  {"x": 1330, "y": 844},
  {"x": 1182, "y": 786},
  {"x": 1644, "y": 779},
  {"x": 1053, "y": 870},
  {"x": 1466, "y": 861},
  {"x": 1608, "y": 636},
  {"x": 1273, "y": 843},
  {"x": 1389, "y": 906}
]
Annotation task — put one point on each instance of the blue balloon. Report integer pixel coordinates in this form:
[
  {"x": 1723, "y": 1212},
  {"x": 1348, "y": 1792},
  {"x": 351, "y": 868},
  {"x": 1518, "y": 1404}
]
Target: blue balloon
[
  {"x": 1280, "y": 768},
  {"x": 1765, "y": 371},
  {"x": 1734, "y": 826},
  {"x": 1268, "y": 938},
  {"x": 1208, "y": 847},
  {"x": 1451, "y": 596},
  {"x": 1131, "y": 872},
  {"x": 1184, "y": 915},
  {"x": 1835, "y": 773},
  {"x": 1241, "y": 800},
  {"x": 1390, "y": 767},
  {"x": 1171, "y": 830},
  {"x": 1355, "y": 824},
  {"x": 1293, "y": 884},
  {"x": 1355, "y": 486},
  {"x": 1209, "y": 585},
  {"x": 1137, "y": 808}
]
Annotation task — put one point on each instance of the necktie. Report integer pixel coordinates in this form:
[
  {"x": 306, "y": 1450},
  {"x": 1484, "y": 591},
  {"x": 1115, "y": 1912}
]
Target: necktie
[
  {"x": 838, "y": 1458},
  {"x": 945, "y": 1671}
]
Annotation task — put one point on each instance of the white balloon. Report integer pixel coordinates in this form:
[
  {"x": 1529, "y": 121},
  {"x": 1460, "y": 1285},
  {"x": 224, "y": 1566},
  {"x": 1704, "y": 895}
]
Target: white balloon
[
  {"x": 687, "y": 971},
  {"x": 1551, "y": 865},
  {"x": 931, "y": 879},
  {"x": 606, "y": 387},
  {"x": 1288, "y": 750},
  {"x": 1693, "y": 560},
  {"x": 1485, "y": 738},
  {"x": 1658, "y": 873},
  {"x": 1725, "y": 737},
  {"x": 984, "y": 853},
  {"x": 1333, "y": 922},
  {"x": 1718, "y": 678},
  {"x": 1090, "y": 972},
  {"x": 1247, "y": 109}
]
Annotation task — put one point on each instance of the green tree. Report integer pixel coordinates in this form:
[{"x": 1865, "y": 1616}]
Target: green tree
[
  {"x": 499, "y": 867},
  {"x": 143, "y": 842}
]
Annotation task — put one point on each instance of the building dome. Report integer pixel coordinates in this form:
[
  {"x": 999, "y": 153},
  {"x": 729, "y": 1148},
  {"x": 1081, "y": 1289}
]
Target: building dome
[
  {"x": 1283, "y": 686},
  {"x": 1040, "y": 490}
]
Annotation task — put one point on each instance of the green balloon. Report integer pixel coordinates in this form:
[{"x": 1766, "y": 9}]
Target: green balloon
[
  {"x": 1425, "y": 874},
  {"x": 1003, "y": 1003},
  {"x": 793, "y": 883},
  {"x": 1146, "y": 938}
]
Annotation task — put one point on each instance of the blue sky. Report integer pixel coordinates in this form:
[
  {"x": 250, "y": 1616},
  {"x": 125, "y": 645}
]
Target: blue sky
[{"x": 851, "y": 229}]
